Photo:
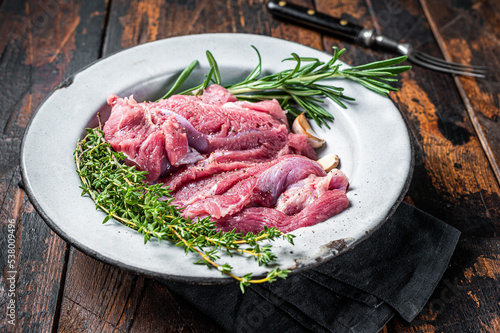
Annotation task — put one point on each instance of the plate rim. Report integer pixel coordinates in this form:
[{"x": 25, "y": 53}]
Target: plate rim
[{"x": 174, "y": 277}]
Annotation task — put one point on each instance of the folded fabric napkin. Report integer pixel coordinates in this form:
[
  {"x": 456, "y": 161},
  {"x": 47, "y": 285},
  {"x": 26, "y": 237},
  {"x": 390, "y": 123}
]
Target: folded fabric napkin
[{"x": 393, "y": 271}]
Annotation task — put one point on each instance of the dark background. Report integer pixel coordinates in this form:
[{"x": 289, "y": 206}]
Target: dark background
[{"x": 453, "y": 120}]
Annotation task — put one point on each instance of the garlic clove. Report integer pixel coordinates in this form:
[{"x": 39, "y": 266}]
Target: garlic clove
[
  {"x": 301, "y": 126},
  {"x": 329, "y": 162}
]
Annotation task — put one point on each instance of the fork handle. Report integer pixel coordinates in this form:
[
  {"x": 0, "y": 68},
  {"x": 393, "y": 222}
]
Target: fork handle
[{"x": 336, "y": 26}]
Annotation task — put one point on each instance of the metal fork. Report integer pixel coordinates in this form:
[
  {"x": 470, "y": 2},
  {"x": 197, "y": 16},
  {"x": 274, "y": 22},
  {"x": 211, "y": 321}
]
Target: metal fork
[{"x": 368, "y": 38}]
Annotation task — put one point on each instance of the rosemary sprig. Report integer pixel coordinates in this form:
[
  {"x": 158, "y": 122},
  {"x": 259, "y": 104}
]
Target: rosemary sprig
[
  {"x": 303, "y": 86},
  {"x": 120, "y": 191}
]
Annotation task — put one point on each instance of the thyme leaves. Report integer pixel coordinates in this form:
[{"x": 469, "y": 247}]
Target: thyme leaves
[{"x": 121, "y": 192}]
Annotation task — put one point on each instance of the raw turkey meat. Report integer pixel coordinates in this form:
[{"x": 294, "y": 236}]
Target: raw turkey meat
[{"x": 234, "y": 161}]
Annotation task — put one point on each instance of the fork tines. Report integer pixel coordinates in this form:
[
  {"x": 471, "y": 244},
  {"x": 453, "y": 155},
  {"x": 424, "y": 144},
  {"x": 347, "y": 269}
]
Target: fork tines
[{"x": 431, "y": 62}]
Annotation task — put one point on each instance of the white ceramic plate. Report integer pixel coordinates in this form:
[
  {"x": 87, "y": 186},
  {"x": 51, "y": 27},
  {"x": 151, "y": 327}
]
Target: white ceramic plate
[{"x": 370, "y": 137}]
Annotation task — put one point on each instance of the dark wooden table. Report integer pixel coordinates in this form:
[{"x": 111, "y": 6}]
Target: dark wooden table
[{"x": 454, "y": 121}]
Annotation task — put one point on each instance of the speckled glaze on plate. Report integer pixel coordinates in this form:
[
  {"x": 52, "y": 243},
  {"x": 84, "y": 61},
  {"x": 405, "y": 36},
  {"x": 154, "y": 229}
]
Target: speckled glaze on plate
[{"x": 370, "y": 137}]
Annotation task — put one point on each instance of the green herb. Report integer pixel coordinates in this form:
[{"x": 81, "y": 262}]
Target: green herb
[
  {"x": 120, "y": 191},
  {"x": 303, "y": 85}
]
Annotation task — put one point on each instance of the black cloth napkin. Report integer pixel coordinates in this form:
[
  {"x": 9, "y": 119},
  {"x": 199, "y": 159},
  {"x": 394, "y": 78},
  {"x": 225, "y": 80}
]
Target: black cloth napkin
[{"x": 394, "y": 271}]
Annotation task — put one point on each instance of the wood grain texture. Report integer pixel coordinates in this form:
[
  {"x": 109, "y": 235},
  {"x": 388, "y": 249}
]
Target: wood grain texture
[
  {"x": 38, "y": 43},
  {"x": 357, "y": 12},
  {"x": 453, "y": 179},
  {"x": 467, "y": 32},
  {"x": 451, "y": 166},
  {"x": 453, "y": 121},
  {"x": 135, "y": 22},
  {"x": 101, "y": 298}
]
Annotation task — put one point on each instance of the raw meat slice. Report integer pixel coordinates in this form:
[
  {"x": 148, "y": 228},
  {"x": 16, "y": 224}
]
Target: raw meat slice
[
  {"x": 228, "y": 126},
  {"x": 262, "y": 188},
  {"x": 301, "y": 194},
  {"x": 232, "y": 160},
  {"x": 217, "y": 184},
  {"x": 214, "y": 122},
  {"x": 133, "y": 130},
  {"x": 253, "y": 219},
  {"x": 299, "y": 145}
]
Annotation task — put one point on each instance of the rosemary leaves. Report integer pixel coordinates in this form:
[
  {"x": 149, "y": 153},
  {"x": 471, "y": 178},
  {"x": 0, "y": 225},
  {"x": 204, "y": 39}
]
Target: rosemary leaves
[
  {"x": 121, "y": 192},
  {"x": 304, "y": 85}
]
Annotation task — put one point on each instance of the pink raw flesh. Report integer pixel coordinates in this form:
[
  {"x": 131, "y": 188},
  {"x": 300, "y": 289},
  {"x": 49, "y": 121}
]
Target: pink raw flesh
[
  {"x": 262, "y": 188},
  {"x": 235, "y": 161},
  {"x": 253, "y": 219}
]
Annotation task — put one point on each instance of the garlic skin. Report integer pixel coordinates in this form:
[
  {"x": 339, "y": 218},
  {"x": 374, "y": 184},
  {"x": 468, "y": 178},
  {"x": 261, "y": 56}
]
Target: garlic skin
[
  {"x": 301, "y": 126},
  {"x": 329, "y": 162}
]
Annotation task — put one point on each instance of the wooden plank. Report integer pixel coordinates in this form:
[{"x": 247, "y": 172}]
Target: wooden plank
[
  {"x": 467, "y": 33},
  {"x": 451, "y": 168},
  {"x": 357, "y": 12},
  {"x": 40, "y": 267},
  {"x": 37, "y": 46},
  {"x": 101, "y": 298},
  {"x": 452, "y": 180},
  {"x": 97, "y": 296},
  {"x": 135, "y": 22}
]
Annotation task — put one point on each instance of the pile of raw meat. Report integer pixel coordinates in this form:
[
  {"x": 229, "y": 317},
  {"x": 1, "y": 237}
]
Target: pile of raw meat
[{"x": 232, "y": 160}]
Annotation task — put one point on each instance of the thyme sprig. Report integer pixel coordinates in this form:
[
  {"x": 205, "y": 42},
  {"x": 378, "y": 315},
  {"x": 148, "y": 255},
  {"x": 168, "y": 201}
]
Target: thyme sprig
[
  {"x": 121, "y": 192},
  {"x": 303, "y": 85}
]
